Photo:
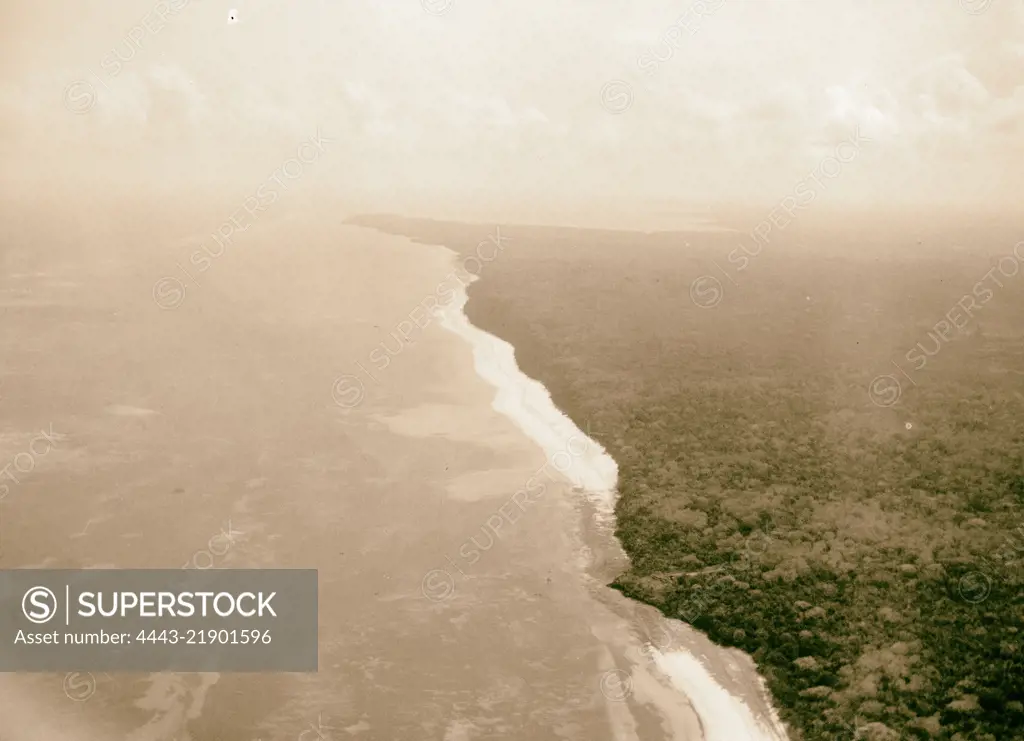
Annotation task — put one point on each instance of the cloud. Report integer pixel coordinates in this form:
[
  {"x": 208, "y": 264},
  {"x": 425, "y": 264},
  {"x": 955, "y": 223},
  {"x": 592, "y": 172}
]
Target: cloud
[
  {"x": 946, "y": 88},
  {"x": 855, "y": 107},
  {"x": 753, "y": 99},
  {"x": 489, "y": 112}
]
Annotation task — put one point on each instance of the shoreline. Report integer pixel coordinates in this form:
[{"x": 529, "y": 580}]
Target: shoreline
[{"x": 724, "y": 712}]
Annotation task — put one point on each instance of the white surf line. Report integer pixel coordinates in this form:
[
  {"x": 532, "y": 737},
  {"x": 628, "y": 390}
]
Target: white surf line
[
  {"x": 724, "y": 716},
  {"x": 528, "y": 404}
]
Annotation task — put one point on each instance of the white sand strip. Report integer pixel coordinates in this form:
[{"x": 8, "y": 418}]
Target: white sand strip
[
  {"x": 528, "y": 404},
  {"x": 724, "y": 716}
]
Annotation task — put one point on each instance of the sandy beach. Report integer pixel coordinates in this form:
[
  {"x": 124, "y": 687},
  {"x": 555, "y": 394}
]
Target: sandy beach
[{"x": 214, "y": 434}]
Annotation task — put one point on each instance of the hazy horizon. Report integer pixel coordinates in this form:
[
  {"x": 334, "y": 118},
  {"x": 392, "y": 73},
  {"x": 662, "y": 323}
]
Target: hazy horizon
[{"x": 441, "y": 104}]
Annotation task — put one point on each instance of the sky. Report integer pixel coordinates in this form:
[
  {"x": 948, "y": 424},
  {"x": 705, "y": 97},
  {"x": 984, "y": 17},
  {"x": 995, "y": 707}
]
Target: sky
[{"x": 556, "y": 101}]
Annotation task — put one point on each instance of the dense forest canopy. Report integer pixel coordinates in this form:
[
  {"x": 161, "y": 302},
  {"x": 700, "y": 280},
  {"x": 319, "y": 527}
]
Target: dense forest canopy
[{"x": 866, "y": 549}]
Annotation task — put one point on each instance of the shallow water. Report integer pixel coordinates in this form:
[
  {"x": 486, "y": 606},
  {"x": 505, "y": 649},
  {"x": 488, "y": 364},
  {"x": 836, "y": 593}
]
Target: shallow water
[
  {"x": 528, "y": 404},
  {"x": 450, "y": 608}
]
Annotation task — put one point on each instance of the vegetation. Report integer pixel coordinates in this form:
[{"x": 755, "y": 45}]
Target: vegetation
[{"x": 868, "y": 557}]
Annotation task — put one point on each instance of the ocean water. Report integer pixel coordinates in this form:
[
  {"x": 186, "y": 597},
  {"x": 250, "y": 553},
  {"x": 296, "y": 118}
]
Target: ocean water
[{"x": 152, "y": 464}]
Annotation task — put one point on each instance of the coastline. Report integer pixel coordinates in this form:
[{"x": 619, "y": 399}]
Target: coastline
[{"x": 724, "y": 690}]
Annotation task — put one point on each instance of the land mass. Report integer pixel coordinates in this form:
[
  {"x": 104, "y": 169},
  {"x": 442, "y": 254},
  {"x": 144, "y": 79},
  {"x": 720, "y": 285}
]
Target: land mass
[{"x": 861, "y": 539}]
